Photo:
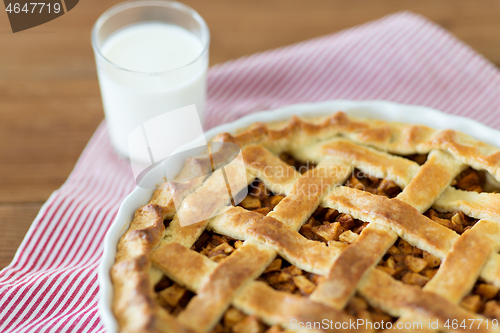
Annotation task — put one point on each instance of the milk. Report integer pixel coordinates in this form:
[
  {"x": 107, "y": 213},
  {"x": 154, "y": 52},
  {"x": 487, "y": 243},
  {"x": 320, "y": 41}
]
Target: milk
[
  {"x": 156, "y": 68},
  {"x": 152, "y": 47}
]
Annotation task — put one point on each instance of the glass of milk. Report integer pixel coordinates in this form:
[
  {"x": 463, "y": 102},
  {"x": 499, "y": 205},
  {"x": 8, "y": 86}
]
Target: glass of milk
[{"x": 152, "y": 58}]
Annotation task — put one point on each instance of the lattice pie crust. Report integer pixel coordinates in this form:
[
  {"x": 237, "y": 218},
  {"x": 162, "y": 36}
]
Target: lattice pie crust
[{"x": 386, "y": 223}]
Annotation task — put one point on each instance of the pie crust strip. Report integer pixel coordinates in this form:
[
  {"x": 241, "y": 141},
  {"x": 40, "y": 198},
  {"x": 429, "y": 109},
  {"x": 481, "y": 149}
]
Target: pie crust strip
[
  {"x": 372, "y": 244},
  {"x": 337, "y": 142}
]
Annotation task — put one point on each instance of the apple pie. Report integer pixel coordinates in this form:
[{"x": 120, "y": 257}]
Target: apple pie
[{"x": 349, "y": 225}]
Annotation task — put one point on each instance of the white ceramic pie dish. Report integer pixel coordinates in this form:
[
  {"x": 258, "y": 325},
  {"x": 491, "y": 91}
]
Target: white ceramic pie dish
[{"x": 365, "y": 109}]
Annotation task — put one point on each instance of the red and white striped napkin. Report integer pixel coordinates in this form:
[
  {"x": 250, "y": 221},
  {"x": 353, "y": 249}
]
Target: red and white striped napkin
[{"x": 51, "y": 285}]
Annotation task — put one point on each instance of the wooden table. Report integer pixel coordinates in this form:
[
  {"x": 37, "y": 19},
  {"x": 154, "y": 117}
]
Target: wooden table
[{"x": 49, "y": 94}]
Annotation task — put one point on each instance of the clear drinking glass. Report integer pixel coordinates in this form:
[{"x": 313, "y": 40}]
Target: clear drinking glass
[{"x": 130, "y": 97}]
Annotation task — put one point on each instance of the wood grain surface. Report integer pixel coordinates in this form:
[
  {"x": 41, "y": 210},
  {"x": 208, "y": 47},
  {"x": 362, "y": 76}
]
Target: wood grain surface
[{"x": 49, "y": 94}]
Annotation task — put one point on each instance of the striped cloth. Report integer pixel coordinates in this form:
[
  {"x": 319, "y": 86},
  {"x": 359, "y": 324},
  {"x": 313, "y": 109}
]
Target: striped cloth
[{"x": 51, "y": 285}]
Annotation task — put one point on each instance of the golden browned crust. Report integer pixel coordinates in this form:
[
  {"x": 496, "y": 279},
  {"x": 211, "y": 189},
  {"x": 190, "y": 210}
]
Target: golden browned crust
[
  {"x": 306, "y": 254},
  {"x": 431, "y": 180},
  {"x": 396, "y": 215},
  {"x": 350, "y": 267},
  {"x": 215, "y": 295},
  {"x": 279, "y": 307},
  {"x": 136, "y": 311},
  {"x": 337, "y": 144},
  {"x": 404, "y": 300},
  {"x": 453, "y": 281},
  {"x": 293, "y": 210}
]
